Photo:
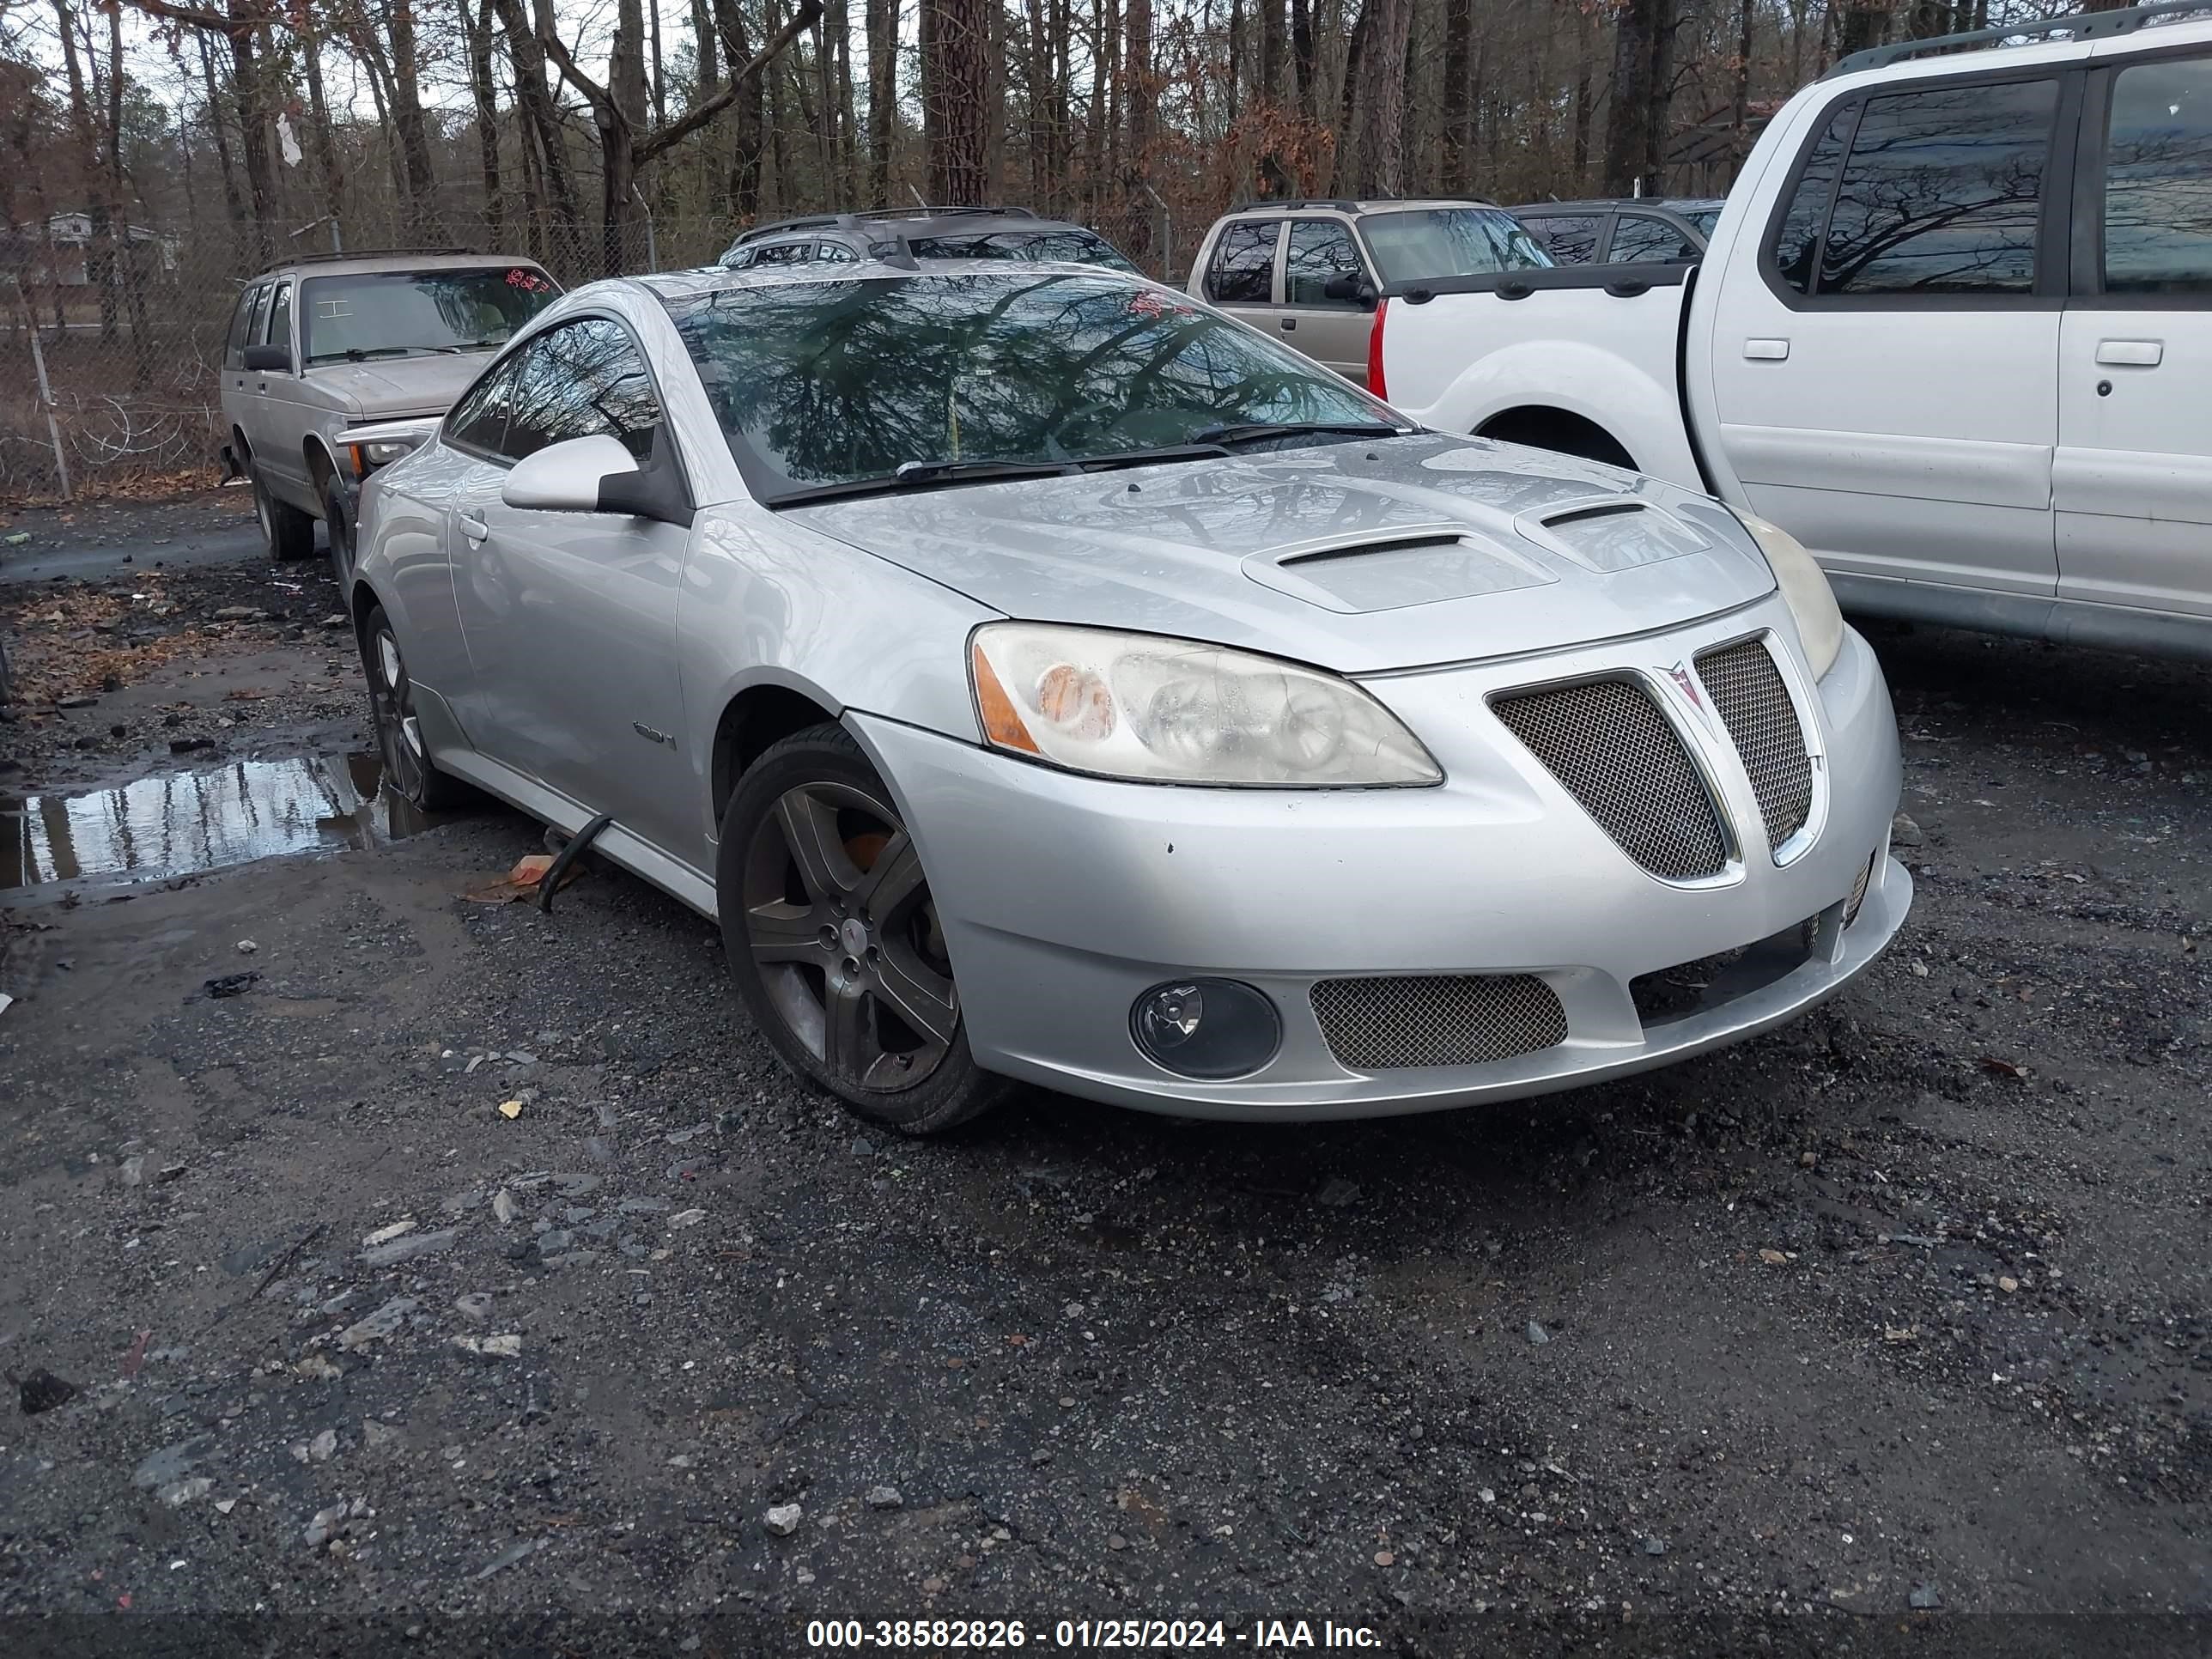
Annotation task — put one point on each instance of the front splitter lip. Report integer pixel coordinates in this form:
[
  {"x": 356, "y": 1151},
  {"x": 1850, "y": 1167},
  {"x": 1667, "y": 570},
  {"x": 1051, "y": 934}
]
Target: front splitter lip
[{"x": 1572, "y": 1065}]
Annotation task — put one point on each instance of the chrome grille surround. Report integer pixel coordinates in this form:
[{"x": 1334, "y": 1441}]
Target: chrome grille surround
[
  {"x": 1613, "y": 749},
  {"x": 1755, "y": 706},
  {"x": 1391, "y": 1022}
]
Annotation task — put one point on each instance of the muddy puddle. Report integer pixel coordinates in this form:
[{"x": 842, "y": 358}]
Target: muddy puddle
[{"x": 183, "y": 823}]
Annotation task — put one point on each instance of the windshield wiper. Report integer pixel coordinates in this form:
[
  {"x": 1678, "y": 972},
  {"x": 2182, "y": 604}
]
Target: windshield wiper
[
  {"x": 913, "y": 474},
  {"x": 1252, "y": 432},
  {"x": 921, "y": 473}
]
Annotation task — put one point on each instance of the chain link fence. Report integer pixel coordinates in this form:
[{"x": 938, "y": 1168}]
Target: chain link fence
[{"x": 111, "y": 343}]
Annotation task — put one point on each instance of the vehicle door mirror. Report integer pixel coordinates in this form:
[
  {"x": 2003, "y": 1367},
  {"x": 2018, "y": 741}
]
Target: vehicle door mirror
[
  {"x": 598, "y": 475},
  {"x": 1346, "y": 285},
  {"x": 272, "y": 359},
  {"x": 568, "y": 476}
]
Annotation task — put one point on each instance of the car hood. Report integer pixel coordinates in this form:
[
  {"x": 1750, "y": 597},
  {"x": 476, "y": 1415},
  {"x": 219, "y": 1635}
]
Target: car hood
[
  {"x": 393, "y": 388},
  {"x": 1360, "y": 557}
]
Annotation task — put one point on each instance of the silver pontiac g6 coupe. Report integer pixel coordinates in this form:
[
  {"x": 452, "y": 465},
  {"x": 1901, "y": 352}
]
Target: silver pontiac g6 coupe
[{"x": 1041, "y": 676}]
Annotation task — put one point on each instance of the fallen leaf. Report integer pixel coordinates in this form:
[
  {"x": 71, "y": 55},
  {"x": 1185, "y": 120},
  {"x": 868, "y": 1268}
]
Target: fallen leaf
[
  {"x": 2005, "y": 1068},
  {"x": 1772, "y": 1258}
]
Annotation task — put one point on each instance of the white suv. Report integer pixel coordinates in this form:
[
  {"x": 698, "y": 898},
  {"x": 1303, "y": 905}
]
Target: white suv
[{"x": 1954, "y": 333}]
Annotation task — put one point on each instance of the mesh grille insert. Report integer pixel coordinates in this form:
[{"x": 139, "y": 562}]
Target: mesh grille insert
[
  {"x": 1608, "y": 743},
  {"x": 1859, "y": 891},
  {"x": 1462, "y": 1020},
  {"x": 1754, "y": 705}
]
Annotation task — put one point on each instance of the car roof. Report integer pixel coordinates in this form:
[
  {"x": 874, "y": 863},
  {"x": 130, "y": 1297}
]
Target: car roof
[
  {"x": 372, "y": 262},
  {"x": 1605, "y": 203},
  {"x": 907, "y": 222},
  {"x": 677, "y": 285},
  {"x": 1351, "y": 205}
]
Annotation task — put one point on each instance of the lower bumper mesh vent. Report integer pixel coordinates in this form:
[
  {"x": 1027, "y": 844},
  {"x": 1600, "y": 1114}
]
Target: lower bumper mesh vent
[{"x": 1462, "y": 1020}]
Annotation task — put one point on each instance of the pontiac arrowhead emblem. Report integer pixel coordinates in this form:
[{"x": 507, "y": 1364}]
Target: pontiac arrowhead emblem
[{"x": 1679, "y": 673}]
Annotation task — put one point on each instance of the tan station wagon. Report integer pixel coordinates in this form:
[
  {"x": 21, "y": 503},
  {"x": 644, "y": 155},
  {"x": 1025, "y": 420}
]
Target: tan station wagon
[{"x": 323, "y": 346}]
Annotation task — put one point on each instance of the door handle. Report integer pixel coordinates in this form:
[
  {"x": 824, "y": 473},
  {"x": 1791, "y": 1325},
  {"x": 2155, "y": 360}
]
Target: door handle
[
  {"x": 1766, "y": 351},
  {"x": 2137, "y": 353},
  {"x": 474, "y": 528},
  {"x": 1289, "y": 323}
]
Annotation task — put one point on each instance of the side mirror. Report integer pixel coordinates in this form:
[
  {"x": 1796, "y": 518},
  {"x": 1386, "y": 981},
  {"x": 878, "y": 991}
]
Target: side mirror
[
  {"x": 272, "y": 359},
  {"x": 1347, "y": 286},
  {"x": 598, "y": 475},
  {"x": 568, "y": 476}
]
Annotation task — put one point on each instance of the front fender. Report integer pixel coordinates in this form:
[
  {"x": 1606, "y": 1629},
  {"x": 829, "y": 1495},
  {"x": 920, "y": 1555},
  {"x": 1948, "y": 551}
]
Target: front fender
[{"x": 766, "y": 602}]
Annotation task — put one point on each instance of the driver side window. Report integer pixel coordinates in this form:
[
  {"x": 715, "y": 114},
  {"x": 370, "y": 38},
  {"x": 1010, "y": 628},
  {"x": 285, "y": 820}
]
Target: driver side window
[{"x": 580, "y": 381}]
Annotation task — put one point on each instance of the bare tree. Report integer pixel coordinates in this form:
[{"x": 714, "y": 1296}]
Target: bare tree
[{"x": 955, "y": 70}]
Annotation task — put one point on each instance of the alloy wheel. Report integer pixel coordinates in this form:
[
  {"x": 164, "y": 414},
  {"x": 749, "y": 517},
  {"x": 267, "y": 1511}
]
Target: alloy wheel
[
  {"x": 839, "y": 919},
  {"x": 399, "y": 733}
]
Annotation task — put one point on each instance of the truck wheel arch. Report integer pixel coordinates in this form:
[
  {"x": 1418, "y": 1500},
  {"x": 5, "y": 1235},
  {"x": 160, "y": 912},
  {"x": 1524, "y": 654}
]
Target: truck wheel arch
[{"x": 1542, "y": 426}]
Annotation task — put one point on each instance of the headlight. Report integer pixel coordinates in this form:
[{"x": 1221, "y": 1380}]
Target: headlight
[
  {"x": 1805, "y": 587},
  {"x": 1173, "y": 711},
  {"x": 368, "y": 456}
]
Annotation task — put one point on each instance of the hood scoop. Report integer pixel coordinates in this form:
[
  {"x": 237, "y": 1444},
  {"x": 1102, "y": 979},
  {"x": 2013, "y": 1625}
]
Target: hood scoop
[
  {"x": 1390, "y": 570},
  {"x": 1607, "y": 534}
]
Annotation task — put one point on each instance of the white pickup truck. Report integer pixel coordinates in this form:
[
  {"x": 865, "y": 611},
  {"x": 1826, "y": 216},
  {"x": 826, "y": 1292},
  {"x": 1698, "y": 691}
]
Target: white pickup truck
[{"x": 1954, "y": 333}]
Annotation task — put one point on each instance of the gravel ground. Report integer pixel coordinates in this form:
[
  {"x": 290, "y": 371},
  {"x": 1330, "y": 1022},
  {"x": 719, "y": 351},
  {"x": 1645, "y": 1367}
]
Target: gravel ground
[{"x": 474, "y": 1276}]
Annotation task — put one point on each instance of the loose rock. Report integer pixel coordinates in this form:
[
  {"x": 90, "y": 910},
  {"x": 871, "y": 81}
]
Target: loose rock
[{"x": 783, "y": 1519}]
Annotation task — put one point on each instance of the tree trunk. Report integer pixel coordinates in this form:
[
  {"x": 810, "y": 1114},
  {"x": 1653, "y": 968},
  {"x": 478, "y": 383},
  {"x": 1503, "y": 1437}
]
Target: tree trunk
[
  {"x": 233, "y": 202},
  {"x": 1348, "y": 95},
  {"x": 1382, "y": 95},
  {"x": 1042, "y": 97},
  {"x": 955, "y": 70},
  {"x": 1459, "y": 40},
  {"x": 1304, "y": 63},
  {"x": 407, "y": 119},
  {"x": 1585, "y": 93},
  {"x": 1658, "y": 125},
  {"x": 541, "y": 116},
  {"x": 619, "y": 121},
  {"x": 1862, "y": 24},
  {"x": 252, "y": 124},
  {"x": 1274, "y": 51},
  {"x": 745, "y": 128},
  {"x": 1143, "y": 107},
  {"x": 1631, "y": 96},
  {"x": 475, "y": 29},
  {"x": 882, "y": 96},
  {"x": 320, "y": 131}
]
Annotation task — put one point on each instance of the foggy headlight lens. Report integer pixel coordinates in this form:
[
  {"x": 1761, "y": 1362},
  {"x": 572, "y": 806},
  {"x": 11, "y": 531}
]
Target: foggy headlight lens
[
  {"x": 368, "y": 456},
  {"x": 1175, "y": 711},
  {"x": 1805, "y": 588}
]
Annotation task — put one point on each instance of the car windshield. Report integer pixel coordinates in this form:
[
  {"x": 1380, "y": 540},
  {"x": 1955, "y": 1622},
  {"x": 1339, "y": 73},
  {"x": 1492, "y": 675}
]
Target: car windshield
[
  {"x": 396, "y": 313},
  {"x": 1423, "y": 242},
  {"x": 1704, "y": 217},
  {"x": 829, "y": 383},
  {"x": 1067, "y": 245}
]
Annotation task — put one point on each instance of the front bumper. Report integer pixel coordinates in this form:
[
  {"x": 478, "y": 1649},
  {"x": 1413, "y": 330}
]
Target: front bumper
[{"x": 1063, "y": 897}]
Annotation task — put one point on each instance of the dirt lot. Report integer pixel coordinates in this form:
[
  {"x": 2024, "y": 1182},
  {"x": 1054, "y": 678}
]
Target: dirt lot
[{"x": 472, "y": 1276}]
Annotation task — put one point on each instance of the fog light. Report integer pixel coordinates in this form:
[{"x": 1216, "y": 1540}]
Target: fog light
[{"x": 1208, "y": 1028}]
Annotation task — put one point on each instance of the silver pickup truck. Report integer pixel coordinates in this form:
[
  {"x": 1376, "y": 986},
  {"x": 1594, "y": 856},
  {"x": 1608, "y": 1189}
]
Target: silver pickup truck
[{"x": 323, "y": 346}]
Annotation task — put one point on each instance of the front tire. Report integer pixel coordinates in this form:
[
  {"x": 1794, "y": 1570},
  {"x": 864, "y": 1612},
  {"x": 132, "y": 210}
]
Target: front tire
[
  {"x": 337, "y": 521},
  {"x": 834, "y": 940},
  {"x": 288, "y": 533},
  {"x": 409, "y": 771}
]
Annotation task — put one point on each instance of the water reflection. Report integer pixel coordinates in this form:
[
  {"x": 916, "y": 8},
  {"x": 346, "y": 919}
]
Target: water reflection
[{"x": 176, "y": 824}]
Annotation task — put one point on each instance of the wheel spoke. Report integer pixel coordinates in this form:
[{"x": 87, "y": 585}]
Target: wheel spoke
[
  {"x": 784, "y": 933},
  {"x": 810, "y": 830},
  {"x": 925, "y": 999},
  {"x": 895, "y": 878},
  {"x": 848, "y": 1038}
]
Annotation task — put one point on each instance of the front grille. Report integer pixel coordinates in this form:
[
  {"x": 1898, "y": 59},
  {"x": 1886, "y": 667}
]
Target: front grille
[
  {"x": 1463, "y": 1019},
  {"x": 1754, "y": 705},
  {"x": 1608, "y": 743}
]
